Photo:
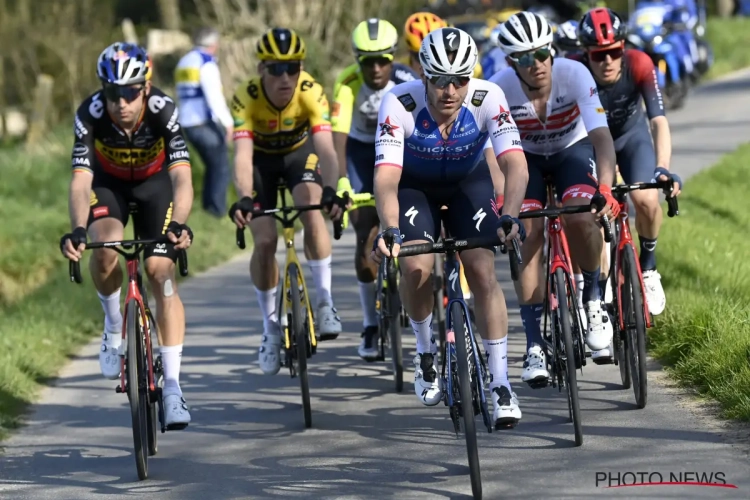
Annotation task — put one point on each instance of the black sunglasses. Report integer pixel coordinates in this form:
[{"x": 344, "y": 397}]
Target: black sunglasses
[
  {"x": 114, "y": 93},
  {"x": 278, "y": 69},
  {"x": 527, "y": 60},
  {"x": 373, "y": 60},
  {"x": 442, "y": 82},
  {"x": 601, "y": 55}
]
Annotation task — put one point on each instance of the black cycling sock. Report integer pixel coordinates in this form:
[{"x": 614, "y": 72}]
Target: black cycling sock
[{"x": 648, "y": 253}]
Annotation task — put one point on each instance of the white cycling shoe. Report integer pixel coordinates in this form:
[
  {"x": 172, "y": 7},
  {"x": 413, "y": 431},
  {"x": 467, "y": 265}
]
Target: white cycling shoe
[
  {"x": 506, "y": 411},
  {"x": 599, "y": 328},
  {"x": 535, "y": 367},
  {"x": 329, "y": 324},
  {"x": 369, "y": 350},
  {"x": 426, "y": 380},
  {"x": 176, "y": 413},
  {"x": 109, "y": 355},
  {"x": 269, "y": 357},
  {"x": 603, "y": 356},
  {"x": 655, "y": 297}
]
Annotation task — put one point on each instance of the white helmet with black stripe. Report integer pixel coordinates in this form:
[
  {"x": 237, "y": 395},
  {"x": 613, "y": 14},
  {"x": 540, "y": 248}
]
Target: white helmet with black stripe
[
  {"x": 524, "y": 31},
  {"x": 448, "y": 52}
]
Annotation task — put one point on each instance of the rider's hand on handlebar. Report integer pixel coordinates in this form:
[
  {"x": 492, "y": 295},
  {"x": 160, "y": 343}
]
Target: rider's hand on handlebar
[
  {"x": 390, "y": 237},
  {"x": 241, "y": 211},
  {"x": 343, "y": 187},
  {"x": 517, "y": 232},
  {"x": 73, "y": 244},
  {"x": 611, "y": 207},
  {"x": 662, "y": 175},
  {"x": 180, "y": 234},
  {"x": 334, "y": 204}
]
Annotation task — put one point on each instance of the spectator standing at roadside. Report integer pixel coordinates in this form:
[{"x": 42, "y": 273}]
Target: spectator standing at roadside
[{"x": 205, "y": 117}]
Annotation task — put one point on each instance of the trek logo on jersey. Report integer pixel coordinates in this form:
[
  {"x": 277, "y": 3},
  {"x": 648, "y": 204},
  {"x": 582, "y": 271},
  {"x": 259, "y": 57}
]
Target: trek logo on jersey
[
  {"x": 408, "y": 102},
  {"x": 387, "y": 127},
  {"x": 478, "y": 98}
]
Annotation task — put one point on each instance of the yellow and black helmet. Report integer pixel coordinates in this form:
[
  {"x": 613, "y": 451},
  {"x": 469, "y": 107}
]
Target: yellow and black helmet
[{"x": 281, "y": 44}]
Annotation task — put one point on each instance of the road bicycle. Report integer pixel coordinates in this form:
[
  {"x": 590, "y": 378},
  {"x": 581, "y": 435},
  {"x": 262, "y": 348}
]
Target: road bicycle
[
  {"x": 299, "y": 338},
  {"x": 463, "y": 370},
  {"x": 564, "y": 342},
  {"x": 140, "y": 373},
  {"x": 391, "y": 315},
  {"x": 629, "y": 307}
]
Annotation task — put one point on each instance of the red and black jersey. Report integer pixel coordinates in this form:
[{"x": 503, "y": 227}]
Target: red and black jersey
[
  {"x": 623, "y": 100},
  {"x": 156, "y": 143}
]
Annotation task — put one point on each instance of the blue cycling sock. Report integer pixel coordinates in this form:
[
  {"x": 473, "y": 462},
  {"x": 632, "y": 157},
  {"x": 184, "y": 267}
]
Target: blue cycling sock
[
  {"x": 647, "y": 258},
  {"x": 590, "y": 285},
  {"x": 602, "y": 288},
  {"x": 531, "y": 316}
]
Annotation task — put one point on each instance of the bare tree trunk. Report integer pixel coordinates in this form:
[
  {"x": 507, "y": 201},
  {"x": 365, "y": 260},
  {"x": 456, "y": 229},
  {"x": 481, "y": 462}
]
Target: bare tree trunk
[
  {"x": 725, "y": 8},
  {"x": 170, "y": 14},
  {"x": 40, "y": 114}
]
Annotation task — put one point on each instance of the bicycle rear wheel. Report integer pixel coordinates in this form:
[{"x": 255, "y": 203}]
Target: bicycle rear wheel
[
  {"x": 565, "y": 298},
  {"x": 300, "y": 339},
  {"x": 458, "y": 323},
  {"x": 635, "y": 325},
  {"x": 137, "y": 391},
  {"x": 394, "y": 329}
]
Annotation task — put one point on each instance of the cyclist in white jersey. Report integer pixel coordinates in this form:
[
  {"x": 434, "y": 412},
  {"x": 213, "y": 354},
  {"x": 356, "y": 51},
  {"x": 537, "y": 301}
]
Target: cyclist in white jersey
[
  {"x": 563, "y": 129},
  {"x": 431, "y": 138}
]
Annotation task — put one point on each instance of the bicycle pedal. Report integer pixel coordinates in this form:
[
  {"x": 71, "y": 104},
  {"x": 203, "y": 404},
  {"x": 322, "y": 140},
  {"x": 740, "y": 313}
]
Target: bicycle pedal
[
  {"x": 176, "y": 427},
  {"x": 505, "y": 424},
  {"x": 538, "y": 383},
  {"x": 603, "y": 360},
  {"x": 119, "y": 390}
]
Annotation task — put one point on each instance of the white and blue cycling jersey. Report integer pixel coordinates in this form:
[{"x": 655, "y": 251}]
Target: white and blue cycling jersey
[
  {"x": 493, "y": 62},
  {"x": 408, "y": 137}
]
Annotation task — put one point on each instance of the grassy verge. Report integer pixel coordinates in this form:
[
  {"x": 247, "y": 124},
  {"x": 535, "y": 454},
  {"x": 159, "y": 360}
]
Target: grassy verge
[
  {"x": 43, "y": 317},
  {"x": 704, "y": 335},
  {"x": 729, "y": 39}
]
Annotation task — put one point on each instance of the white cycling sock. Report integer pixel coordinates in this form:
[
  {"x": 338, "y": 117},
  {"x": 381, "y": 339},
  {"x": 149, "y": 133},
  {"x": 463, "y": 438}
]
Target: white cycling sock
[
  {"x": 367, "y": 292},
  {"x": 267, "y": 302},
  {"x": 321, "y": 275},
  {"x": 112, "y": 317},
  {"x": 171, "y": 357},
  {"x": 423, "y": 332},
  {"x": 497, "y": 361},
  {"x": 579, "y": 288}
]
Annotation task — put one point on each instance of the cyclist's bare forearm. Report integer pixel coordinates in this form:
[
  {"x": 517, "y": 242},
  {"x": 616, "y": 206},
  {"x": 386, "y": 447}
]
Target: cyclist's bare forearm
[
  {"x": 606, "y": 159},
  {"x": 182, "y": 188},
  {"x": 386, "y": 195},
  {"x": 243, "y": 167},
  {"x": 329, "y": 163},
  {"x": 662, "y": 141},
  {"x": 339, "y": 142},
  {"x": 79, "y": 199},
  {"x": 516, "y": 172}
]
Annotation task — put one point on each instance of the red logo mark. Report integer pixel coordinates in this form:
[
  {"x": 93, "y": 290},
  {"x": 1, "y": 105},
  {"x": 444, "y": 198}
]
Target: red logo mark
[
  {"x": 502, "y": 117},
  {"x": 272, "y": 123},
  {"x": 387, "y": 128},
  {"x": 101, "y": 212},
  {"x": 425, "y": 124}
]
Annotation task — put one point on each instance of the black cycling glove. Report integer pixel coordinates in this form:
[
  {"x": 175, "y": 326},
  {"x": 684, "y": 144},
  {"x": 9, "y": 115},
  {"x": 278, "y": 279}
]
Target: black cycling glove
[
  {"x": 330, "y": 198},
  {"x": 391, "y": 235},
  {"x": 77, "y": 237},
  {"x": 245, "y": 205},
  {"x": 176, "y": 228},
  {"x": 521, "y": 230}
]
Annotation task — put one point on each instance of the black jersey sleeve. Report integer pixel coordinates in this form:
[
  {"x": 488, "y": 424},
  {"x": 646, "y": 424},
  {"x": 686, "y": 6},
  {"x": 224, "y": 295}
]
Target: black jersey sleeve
[
  {"x": 84, "y": 127},
  {"x": 164, "y": 117}
]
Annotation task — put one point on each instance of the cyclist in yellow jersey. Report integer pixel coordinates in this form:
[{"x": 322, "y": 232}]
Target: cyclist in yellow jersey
[
  {"x": 357, "y": 95},
  {"x": 281, "y": 127},
  {"x": 416, "y": 28}
]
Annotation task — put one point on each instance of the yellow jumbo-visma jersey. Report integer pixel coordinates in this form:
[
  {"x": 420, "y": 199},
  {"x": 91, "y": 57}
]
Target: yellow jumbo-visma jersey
[
  {"x": 477, "y": 69},
  {"x": 275, "y": 130}
]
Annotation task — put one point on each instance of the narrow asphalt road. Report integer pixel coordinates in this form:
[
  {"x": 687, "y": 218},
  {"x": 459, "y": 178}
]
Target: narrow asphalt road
[{"x": 247, "y": 439}]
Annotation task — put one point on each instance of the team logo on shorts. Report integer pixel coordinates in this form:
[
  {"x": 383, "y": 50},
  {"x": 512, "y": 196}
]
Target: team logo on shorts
[
  {"x": 502, "y": 117},
  {"x": 387, "y": 128}
]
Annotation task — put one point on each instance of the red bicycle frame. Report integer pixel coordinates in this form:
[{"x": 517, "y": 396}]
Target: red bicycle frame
[
  {"x": 559, "y": 256},
  {"x": 135, "y": 294},
  {"x": 625, "y": 239}
]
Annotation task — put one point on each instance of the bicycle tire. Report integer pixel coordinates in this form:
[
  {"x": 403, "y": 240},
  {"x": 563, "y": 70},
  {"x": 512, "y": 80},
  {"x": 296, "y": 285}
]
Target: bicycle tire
[
  {"x": 394, "y": 330},
  {"x": 458, "y": 323},
  {"x": 439, "y": 307},
  {"x": 153, "y": 430},
  {"x": 135, "y": 369},
  {"x": 564, "y": 317},
  {"x": 619, "y": 340},
  {"x": 636, "y": 329},
  {"x": 301, "y": 339}
]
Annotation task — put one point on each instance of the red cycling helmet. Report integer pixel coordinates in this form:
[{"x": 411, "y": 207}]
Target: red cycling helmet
[{"x": 601, "y": 27}]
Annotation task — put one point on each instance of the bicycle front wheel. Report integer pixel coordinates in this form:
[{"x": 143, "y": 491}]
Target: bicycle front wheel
[
  {"x": 394, "y": 330},
  {"x": 439, "y": 307},
  {"x": 635, "y": 323},
  {"x": 465, "y": 369},
  {"x": 566, "y": 300},
  {"x": 137, "y": 391},
  {"x": 300, "y": 336},
  {"x": 153, "y": 430}
]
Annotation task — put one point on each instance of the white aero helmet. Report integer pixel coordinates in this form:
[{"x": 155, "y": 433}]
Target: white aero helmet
[
  {"x": 524, "y": 31},
  {"x": 123, "y": 64},
  {"x": 438, "y": 47}
]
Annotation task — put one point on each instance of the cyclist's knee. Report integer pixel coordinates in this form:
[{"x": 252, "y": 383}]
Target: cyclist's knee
[
  {"x": 581, "y": 224},
  {"x": 160, "y": 273},
  {"x": 646, "y": 203},
  {"x": 479, "y": 266},
  {"x": 534, "y": 234},
  {"x": 312, "y": 220},
  {"x": 417, "y": 269},
  {"x": 103, "y": 259},
  {"x": 307, "y": 193}
]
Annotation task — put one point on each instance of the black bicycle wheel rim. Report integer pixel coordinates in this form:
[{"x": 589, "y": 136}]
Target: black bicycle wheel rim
[
  {"x": 564, "y": 299},
  {"x": 619, "y": 341},
  {"x": 134, "y": 369},
  {"x": 153, "y": 430},
  {"x": 636, "y": 330},
  {"x": 394, "y": 332},
  {"x": 301, "y": 340},
  {"x": 458, "y": 322}
]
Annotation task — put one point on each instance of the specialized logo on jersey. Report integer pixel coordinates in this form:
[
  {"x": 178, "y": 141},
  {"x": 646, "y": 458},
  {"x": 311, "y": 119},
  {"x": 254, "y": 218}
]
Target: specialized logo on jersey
[
  {"x": 411, "y": 213},
  {"x": 387, "y": 127}
]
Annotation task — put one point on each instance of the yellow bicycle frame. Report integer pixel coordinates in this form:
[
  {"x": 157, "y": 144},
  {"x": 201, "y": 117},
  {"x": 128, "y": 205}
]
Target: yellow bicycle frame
[{"x": 285, "y": 302}]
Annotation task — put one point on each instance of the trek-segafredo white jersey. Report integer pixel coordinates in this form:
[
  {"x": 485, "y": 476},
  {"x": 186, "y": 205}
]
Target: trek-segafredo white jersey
[
  {"x": 409, "y": 138},
  {"x": 573, "y": 108}
]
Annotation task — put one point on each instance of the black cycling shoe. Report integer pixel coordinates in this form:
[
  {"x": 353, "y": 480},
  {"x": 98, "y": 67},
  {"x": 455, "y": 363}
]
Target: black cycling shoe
[{"x": 368, "y": 348}]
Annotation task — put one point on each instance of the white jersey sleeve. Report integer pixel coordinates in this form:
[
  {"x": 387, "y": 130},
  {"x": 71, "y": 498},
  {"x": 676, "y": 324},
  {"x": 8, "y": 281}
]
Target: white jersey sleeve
[
  {"x": 394, "y": 124},
  {"x": 587, "y": 96},
  {"x": 494, "y": 116}
]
